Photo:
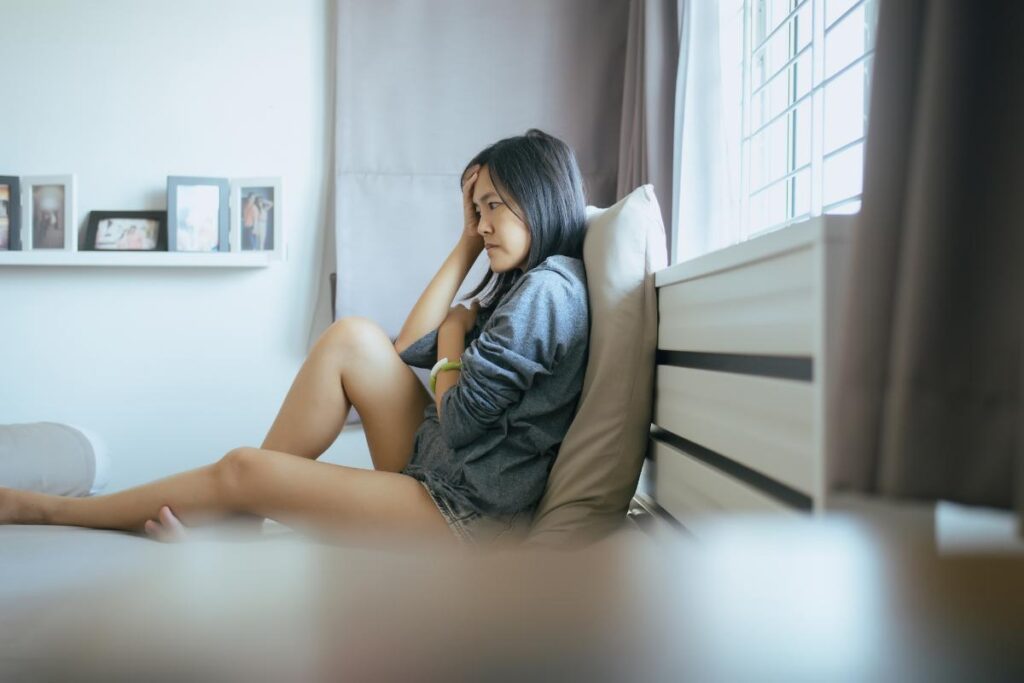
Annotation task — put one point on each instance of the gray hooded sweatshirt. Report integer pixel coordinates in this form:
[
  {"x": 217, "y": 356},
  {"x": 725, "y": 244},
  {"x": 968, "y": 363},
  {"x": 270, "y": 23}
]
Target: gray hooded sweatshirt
[{"x": 522, "y": 374}]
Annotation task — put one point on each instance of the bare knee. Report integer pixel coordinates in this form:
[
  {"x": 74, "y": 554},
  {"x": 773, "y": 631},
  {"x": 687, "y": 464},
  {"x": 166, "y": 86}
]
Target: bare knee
[
  {"x": 234, "y": 469},
  {"x": 356, "y": 336}
]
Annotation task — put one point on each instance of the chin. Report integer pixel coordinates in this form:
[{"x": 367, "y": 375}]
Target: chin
[
  {"x": 503, "y": 266},
  {"x": 498, "y": 265}
]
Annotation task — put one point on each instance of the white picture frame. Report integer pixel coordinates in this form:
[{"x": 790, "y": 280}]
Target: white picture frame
[
  {"x": 198, "y": 214},
  {"x": 256, "y": 216},
  {"x": 59, "y": 210}
]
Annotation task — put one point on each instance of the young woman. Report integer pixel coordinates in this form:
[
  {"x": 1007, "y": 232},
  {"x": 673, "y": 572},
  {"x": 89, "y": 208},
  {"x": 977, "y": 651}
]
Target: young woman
[{"x": 466, "y": 464}]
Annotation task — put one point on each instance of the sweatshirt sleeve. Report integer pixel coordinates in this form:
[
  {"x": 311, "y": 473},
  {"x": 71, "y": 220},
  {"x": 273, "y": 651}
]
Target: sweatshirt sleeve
[
  {"x": 525, "y": 337},
  {"x": 422, "y": 353}
]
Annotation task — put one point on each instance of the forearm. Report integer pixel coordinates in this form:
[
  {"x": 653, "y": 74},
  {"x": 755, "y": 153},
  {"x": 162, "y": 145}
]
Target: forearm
[
  {"x": 432, "y": 307},
  {"x": 451, "y": 342}
]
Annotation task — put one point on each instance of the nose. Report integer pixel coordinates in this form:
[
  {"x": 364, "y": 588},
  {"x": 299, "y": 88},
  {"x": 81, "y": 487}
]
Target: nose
[{"x": 483, "y": 226}]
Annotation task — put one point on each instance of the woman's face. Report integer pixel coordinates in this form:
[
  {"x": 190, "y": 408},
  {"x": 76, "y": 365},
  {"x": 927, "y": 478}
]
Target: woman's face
[{"x": 506, "y": 237}]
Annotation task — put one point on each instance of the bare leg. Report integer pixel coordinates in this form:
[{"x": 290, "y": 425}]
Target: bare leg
[
  {"x": 316, "y": 407},
  {"x": 352, "y": 359},
  {"x": 324, "y": 498},
  {"x": 196, "y": 496},
  {"x": 353, "y": 362}
]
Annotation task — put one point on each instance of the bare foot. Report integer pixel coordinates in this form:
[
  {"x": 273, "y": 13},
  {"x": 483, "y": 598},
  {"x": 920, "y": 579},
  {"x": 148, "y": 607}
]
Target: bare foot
[{"x": 168, "y": 529}]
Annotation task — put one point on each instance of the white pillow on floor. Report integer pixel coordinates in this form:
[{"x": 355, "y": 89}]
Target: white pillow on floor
[
  {"x": 101, "y": 475},
  {"x": 54, "y": 458}
]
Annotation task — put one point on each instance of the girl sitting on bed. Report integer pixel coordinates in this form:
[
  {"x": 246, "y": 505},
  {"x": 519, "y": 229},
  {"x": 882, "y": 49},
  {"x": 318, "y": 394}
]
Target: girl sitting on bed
[{"x": 467, "y": 464}]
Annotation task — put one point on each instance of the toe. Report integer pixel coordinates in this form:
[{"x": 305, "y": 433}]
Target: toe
[
  {"x": 171, "y": 524},
  {"x": 155, "y": 530}
]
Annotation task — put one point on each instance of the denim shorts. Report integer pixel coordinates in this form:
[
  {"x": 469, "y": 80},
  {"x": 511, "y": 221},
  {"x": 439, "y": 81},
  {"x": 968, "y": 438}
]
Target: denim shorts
[{"x": 474, "y": 528}]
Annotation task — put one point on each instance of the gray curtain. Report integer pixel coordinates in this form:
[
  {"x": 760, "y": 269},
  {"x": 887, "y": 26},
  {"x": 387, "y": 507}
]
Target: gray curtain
[
  {"x": 649, "y": 141},
  {"x": 323, "y": 306},
  {"x": 928, "y": 401},
  {"x": 422, "y": 85}
]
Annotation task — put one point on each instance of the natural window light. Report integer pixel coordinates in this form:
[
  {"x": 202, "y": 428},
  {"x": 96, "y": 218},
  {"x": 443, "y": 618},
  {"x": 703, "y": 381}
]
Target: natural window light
[{"x": 792, "y": 78}]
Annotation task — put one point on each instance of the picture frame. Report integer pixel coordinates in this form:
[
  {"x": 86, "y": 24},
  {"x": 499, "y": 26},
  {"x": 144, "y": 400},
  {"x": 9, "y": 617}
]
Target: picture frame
[
  {"x": 49, "y": 213},
  {"x": 198, "y": 214},
  {"x": 126, "y": 231},
  {"x": 256, "y": 211},
  {"x": 10, "y": 213}
]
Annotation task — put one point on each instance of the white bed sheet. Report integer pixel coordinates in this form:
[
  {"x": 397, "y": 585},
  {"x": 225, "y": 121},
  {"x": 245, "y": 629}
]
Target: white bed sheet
[{"x": 51, "y": 575}]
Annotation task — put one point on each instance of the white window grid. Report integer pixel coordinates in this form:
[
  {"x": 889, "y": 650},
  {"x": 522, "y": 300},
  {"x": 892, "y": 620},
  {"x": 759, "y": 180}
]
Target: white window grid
[{"x": 799, "y": 158}]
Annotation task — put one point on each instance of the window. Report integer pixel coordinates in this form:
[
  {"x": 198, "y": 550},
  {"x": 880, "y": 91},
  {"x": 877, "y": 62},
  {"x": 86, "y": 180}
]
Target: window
[{"x": 793, "y": 78}]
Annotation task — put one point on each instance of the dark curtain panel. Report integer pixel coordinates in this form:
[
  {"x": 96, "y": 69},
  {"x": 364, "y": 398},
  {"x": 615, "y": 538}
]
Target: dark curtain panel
[
  {"x": 651, "y": 102},
  {"x": 928, "y": 404}
]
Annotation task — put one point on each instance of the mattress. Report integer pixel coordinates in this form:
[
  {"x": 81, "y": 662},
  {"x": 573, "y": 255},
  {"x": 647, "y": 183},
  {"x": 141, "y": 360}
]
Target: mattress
[
  {"x": 83, "y": 604},
  {"x": 762, "y": 597},
  {"x": 50, "y": 572}
]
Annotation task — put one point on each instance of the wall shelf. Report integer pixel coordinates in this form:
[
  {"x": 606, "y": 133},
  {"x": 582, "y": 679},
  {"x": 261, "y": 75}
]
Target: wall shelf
[{"x": 181, "y": 259}]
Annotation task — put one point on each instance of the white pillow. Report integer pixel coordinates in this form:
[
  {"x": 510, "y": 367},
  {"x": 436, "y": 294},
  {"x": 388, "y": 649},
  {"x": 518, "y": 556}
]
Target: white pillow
[{"x": 54, "y": 458}]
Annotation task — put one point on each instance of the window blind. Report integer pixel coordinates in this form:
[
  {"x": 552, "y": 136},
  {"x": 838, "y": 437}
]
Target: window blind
[{"x": 806, "y": 69}]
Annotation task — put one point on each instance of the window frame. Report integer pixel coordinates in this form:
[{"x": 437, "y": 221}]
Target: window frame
[{"x": 757, "y": 10}]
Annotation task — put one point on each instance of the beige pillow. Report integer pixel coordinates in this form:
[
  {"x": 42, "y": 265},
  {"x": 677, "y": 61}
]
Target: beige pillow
[{"x": 598, "y": 464}]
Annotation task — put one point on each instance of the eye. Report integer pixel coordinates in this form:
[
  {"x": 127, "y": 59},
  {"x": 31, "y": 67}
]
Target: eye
[{"x": 493, "y": 204}]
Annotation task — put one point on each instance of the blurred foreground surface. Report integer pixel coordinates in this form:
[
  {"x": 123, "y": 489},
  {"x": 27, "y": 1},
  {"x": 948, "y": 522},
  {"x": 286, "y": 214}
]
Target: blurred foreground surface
[{"x": 839, "y": 598}]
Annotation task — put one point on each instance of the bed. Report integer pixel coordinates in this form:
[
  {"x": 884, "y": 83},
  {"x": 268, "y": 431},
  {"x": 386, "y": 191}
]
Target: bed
[
  {"x": 725, "y": 568},
  {"x": 785, "y": 598}
]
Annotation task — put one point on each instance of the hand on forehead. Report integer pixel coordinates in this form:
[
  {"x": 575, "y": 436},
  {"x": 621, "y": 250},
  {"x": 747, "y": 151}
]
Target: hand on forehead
[{"x": 483, "y": 188}]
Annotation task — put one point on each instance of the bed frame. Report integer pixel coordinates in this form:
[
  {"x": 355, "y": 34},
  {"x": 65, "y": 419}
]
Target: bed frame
[{"x": 746, "y": 344}]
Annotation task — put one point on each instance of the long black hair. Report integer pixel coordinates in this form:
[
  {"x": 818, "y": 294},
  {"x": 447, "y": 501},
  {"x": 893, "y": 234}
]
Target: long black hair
[{"x": 540, "y": 174}]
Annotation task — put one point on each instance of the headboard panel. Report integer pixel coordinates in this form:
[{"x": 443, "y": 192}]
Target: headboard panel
[{"x": 744, "y": 342}]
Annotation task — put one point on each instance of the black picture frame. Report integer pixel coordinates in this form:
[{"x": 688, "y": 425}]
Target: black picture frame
[
  {"x": 95, "y": 217},
  {"x": 13, "y": 184},
  {"x": 174, "y": 185}
]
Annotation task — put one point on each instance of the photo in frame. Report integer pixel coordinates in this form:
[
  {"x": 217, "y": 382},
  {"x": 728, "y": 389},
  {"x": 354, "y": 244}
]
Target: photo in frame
[
  {"x": 126, "y": 231},
  {"x": 256, "y": 215},
  {"x": 197, "y": 214},
  {"x": 10, "y": 213},
  {"x": 49, "y": 219}
]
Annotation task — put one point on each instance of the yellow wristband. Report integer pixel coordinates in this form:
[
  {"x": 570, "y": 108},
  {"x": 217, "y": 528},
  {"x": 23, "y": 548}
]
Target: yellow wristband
[{"x": 441, "y": 366}]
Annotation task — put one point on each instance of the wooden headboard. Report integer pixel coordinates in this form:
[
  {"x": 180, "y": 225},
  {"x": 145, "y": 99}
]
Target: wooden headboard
[{"x": 746, "y": 339}]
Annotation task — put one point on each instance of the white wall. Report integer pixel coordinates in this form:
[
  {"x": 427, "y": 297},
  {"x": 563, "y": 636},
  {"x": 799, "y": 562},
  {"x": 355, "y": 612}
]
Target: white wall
[{"x": 172, "y": 367}]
